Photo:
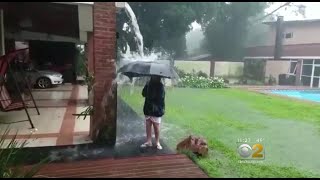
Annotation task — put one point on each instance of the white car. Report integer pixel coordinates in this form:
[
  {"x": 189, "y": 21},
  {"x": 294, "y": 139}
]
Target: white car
[{"x": 44, "y": 78}]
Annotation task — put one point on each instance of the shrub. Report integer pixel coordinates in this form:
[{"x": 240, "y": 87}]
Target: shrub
[
  {"x": 272, "y": 80},
  {"x": 11, "y": 159},
  {"x": 181, "y": 73},
  {"x": 202, "y": 82},
  {"x": 198, "y": 80},
  {"x": 81, "y": 67},
  {"x": 226, "y": 81},
  {"x": 202, "y": 74}
]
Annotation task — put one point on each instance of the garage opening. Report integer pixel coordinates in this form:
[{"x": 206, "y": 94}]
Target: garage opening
[{"x": 55, "y": 56}]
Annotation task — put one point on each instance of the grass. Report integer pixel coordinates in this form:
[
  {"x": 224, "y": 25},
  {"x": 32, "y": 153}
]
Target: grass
[
  {"x": 278, "y": 107},
  {"x": 224, "y": 115}
]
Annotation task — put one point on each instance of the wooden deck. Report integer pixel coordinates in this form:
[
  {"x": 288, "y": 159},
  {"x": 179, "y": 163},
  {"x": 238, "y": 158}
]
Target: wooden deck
[{"x": 163, "y": 166}]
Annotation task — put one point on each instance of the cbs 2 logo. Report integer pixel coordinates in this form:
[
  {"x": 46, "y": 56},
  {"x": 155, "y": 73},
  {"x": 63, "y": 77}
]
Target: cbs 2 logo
[{"x": 245, "y": 151}]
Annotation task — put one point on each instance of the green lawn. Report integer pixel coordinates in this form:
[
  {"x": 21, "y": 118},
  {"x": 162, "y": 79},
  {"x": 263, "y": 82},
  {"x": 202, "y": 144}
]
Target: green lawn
[{"x": 289, "y": 128}]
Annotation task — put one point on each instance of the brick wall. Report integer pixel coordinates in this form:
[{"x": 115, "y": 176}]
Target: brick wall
[{"x": 104, "y": 54}]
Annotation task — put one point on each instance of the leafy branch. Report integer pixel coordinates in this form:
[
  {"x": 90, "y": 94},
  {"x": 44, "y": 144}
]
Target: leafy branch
[
  {"x": 89, "y": 81},
  {"x": 87, "y": 112},
  {"x": 11, "y": 157}
]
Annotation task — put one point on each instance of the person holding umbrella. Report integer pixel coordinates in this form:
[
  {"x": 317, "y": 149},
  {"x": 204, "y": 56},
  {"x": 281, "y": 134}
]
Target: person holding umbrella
[
  {"x": 154, "y": 109},
  {"x": 153, "y": 92}
]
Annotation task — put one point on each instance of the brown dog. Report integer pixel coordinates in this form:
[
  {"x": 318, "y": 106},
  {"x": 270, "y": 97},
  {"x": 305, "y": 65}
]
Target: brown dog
[{"x": 194, "y": 144}]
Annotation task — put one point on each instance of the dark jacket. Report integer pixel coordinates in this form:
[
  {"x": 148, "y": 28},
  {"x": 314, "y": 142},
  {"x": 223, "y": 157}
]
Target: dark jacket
[{"x": 154, "y": 99}]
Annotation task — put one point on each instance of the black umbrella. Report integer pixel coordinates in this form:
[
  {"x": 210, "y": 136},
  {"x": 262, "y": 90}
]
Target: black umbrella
[{"x": 143, "y": 68}]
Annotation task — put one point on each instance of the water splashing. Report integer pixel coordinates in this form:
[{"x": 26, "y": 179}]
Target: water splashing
[
  {"x": 128, "y": 56},
  {"x": 135, "y": 28}
]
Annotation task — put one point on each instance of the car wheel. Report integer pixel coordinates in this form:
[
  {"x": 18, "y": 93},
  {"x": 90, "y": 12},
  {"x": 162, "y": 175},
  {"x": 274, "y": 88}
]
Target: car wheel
[{"x": 44, "y": 83}]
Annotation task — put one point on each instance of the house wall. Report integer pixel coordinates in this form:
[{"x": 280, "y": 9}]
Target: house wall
[
  {"x": 228, "y": 69},
  {"x": 275, "y": 68},
  {"x": 225, "y": 69},
  {"x": 85, "y": 20},
  {"x": 303, "y": 33},
  {"x": 189, "y": 66}
]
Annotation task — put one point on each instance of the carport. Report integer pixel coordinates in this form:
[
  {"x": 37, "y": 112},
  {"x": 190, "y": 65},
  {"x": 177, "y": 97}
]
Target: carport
[{"x": 44, "y": 24}]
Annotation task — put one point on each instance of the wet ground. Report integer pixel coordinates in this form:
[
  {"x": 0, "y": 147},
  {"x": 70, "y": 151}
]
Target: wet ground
[{"x": 130, "y": 135}]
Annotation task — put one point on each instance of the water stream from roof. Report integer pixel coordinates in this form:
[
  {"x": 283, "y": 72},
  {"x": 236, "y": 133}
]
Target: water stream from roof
[{"x": 140, "y": 55}]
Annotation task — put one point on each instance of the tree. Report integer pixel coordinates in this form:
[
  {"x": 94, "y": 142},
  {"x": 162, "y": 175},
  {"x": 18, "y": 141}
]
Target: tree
[
  {"x": 162, "y": 24},
  {"x": 226, "y": 26},
  {"x": 165, "y": 24},
  {"x": 193, "y": 42}
]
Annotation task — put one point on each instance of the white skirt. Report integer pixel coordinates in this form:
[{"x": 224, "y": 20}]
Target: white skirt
[{"x": 154, "y": 119}]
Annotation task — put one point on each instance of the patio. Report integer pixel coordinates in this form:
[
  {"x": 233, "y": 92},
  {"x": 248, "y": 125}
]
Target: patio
[{"x": 56, "y": 125}]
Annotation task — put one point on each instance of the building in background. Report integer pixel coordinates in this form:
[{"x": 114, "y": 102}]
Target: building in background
[
  {"x": 298, "y": 63},
  {"x": 300, "y": 52}
]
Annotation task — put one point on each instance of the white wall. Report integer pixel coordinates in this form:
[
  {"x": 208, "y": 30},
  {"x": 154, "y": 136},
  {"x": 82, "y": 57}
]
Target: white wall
[
  {"x": 274, "y": 68},
  {"x": 303, "y": 33},
  {"x": 226, "y": 69},
  {"x": 229, "y": 69},
  {"x": 188, "y": 66},
  {"x": 85, "y": 20}
]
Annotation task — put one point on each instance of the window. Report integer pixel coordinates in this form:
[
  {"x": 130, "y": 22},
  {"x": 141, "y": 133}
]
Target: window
[
  {"x": 293, "y": 67},
  {"x": 317, "y": 61},
  {"x": 307, "y": 70},
  {"x": 308, "y": 61},
  {"x": 288, "y": 35}
]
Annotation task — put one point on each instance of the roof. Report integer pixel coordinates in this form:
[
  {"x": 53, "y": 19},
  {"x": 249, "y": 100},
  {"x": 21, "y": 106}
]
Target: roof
[
  {"x": 118, "y": 4},
  {"x": 33, "y": 17},
  {"x": 294, "y": 22},
  {"x": 84, "y": 3},
  {"x": 76, "y": 3},
  {"x": 297, "y": 50}
]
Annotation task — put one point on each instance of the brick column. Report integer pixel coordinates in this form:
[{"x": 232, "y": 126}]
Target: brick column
[{"x": 103, "y": 122}]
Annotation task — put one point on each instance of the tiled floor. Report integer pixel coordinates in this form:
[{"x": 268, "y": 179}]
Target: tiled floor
[{"x": 56, "y": 124}]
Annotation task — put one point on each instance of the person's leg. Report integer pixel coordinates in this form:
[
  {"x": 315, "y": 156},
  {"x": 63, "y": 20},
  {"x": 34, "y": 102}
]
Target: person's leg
[
  {"x": 156, "y": 127},
  {"x": 148, "y": 132}
]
